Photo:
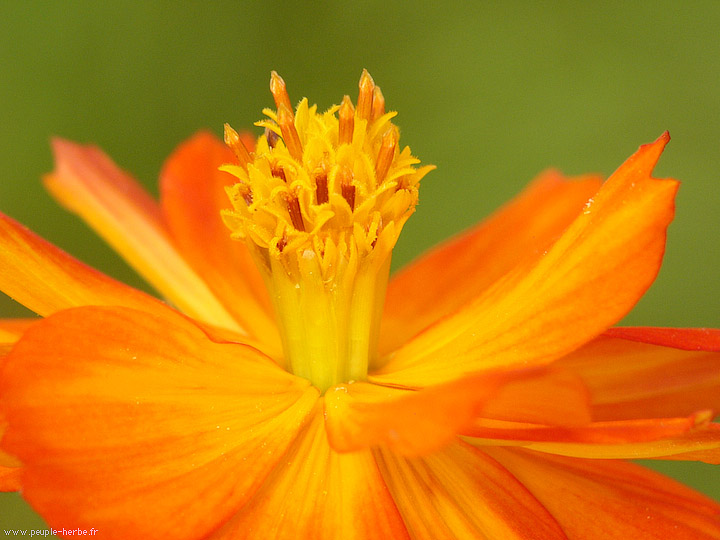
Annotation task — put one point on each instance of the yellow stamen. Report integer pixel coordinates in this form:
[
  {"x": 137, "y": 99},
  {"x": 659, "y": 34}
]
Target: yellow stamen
[
  {"x": 293, "y": 206},
  {"x": 279, "y": 91},
  {"x": 321, "y": 183},
  {"x": 289, "y": 133},
  {"x": 386, "y": 154},
  {"x": 347, "y": 121},
  {"x": 344, "y": 178},
  {"x": 365, "y": 96},
  {"x": 378, "y": 104},
  {"x": 232, "y": 139},
  {"x": 320, "y": 211}
]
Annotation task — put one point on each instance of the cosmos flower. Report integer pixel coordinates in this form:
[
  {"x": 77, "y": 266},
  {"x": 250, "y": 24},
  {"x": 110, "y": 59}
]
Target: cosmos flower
[{"x": 287, "y": 388}]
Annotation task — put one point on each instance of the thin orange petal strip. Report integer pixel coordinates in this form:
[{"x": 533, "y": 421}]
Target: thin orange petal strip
[
  {"x": 462, "y": 493},
  {"x": 192, "y": 193},
  {"x": 649, "y": 372},
  {"x": 704, "y": 446},
  {"x": 605, "y": 500},
  {"x": 170, "y": 432},
  {"x": 590, "y": 278},
  {"x": 88, "y": 183},
  {"x": 417, "y": 422},
  {"x": 701, "y": 444},
  {"x": 630, "y": 439},
  {"x": 45, "y": 279},
  {"x": 459, "y": 270},
  {"x": 596, "y": 432},
  {"x": 686, "y": 339},
  {"x": 320, "y": 494}
]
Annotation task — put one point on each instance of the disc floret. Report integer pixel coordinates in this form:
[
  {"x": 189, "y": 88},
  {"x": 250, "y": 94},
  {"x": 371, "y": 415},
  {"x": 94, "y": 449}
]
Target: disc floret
[{"x": 320, "y": 203}]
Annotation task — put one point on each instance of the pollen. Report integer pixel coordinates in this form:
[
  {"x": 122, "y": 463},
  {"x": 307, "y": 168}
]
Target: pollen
[{"x": 320, "y": 202}]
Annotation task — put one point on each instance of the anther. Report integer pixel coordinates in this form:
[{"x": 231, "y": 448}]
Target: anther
[
  {"x": 271, "y": 137},
  {"x": 234, "y": 142},
  {"x": 246, "y": 193},
  {"x": 347, "y": 121},
  {"x": 321, "y": 183},
  {"x": 293, "y": 206},
  {"x": 278, "y": 172},
  {"x": 289, "y": 133},
  {"x": 365, "y": 96},
  {"x": 279, "y": 91},
  {"x": 385, "y": 154},
  {"x": 344, "y": 177},
  {"x": 378, "y": 104}
]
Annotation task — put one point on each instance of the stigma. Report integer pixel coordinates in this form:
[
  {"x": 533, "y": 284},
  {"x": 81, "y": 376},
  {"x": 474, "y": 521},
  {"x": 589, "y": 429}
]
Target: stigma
[{"x": 320, "y": 202}]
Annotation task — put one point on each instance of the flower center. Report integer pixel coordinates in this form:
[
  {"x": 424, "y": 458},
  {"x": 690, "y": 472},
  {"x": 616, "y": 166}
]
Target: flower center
[{"x": 320, "y": 203}]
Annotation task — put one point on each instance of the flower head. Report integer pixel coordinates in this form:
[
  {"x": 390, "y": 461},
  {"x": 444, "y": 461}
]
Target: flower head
[
  {"x": 320, "y": 203},
  {"x": 286, "y": 389}
]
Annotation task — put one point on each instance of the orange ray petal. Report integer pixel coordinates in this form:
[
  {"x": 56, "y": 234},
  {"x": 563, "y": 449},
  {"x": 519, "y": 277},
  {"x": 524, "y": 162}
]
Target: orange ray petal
[
  {"x": 462, "y": 493},
  {"x": 12, "y": 329},
  {"x": 705, "y": 451},
  {"x": 702, "y": 444},
  {"x": 45, "y": 279},
  {"x": 459, "y": 270},
  {"x": 628, "y": 439},
  {"x": 360, "y": 415},
  {"x": 602, "y": 500},
  {"x": 10, "y": 466},
  {"x": 10, "y": 332},
  {"x": 88, "y": 183},
  {"x": 590, "y": 278},
  {"x": 649, "y": 372},
  {"x": 320, "y": 494},
  {"x": 192, "y": 193},
  {"x": 10, "y": 478},
  {"x": 140, "y": 426}
]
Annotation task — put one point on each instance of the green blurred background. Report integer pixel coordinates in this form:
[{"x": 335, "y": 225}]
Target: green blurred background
[{"x": 492, "y": 93}]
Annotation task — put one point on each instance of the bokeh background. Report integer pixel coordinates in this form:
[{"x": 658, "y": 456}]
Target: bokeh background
[{"x": 492, "y": 93}]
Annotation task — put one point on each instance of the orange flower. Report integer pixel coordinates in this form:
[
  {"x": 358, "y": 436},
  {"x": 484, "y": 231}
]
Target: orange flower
[{"x": 484, "y": 396}]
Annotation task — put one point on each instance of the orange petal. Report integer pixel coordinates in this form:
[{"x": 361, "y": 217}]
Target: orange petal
[
  {"x": 459, "y": 270},
  {"x": 12, "y": 329},
  {"x": 88, "y": 183},
  {"x": 629, "y": 439},
  {"x": 601, "y": 500},
  {"x": 702, "y": 444},
  {"x": 320, "y": 494},
  {"x": 649, "y": 372},
  {"x": 10, "y": 478},
  {"x": 140, "y": 426},
  {"x": 706, "y": 448},
  {"x": 462, "y": 493},
  {"x": 45, "y": 279},
  {"x": 360, "y": 415},
  {"x": 192, "y": 193},
  {"x": 10, "y": 467},
  {"x": 10, "y": 332},
  {"x": 590, "y": 278}
]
